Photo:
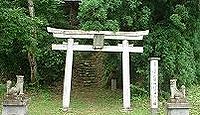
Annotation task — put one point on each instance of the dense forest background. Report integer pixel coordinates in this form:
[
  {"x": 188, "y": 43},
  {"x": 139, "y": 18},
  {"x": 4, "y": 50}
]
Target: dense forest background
[{"x": 174, "y": 37}]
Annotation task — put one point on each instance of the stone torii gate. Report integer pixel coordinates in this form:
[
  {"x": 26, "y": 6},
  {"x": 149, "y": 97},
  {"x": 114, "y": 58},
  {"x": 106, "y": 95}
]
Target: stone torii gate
[{"x": 98, "y": 45}]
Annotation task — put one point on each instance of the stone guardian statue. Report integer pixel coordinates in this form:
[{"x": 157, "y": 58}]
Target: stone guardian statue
[
  {"x": 175, "y": 93},
  {"x": 177, "y": 104},
  {"x": 15, "y": 101},
  {"x": 18, "y": 88}
]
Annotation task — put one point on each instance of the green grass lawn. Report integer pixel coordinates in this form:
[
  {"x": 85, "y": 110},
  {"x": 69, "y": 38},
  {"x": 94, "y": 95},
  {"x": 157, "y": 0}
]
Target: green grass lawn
[{"x": 98, "y": 102}]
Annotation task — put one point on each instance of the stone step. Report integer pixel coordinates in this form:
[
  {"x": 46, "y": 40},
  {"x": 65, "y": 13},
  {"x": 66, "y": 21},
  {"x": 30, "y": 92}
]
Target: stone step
[
  {"x": 85, "y": 70},
  {"x": 88, "y": 81},
  {"x": 88, "y": 78},
  {"x": 87, "y": 74}
]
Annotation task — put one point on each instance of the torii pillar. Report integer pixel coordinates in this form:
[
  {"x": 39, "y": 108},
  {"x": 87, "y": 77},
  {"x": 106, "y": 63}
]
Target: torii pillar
[
  {"x": 68, "y": 75},
  {"x": 126, "y": 77}
]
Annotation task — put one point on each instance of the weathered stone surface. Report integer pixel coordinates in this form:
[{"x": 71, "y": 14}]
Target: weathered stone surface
[
  {"x": 18, "y": 88},
  {"x": 113, "y": 84},
  {"x": 15, "y": 110},
  {"x": 88, "y": 71},
  {"x": 177, "y": 104},
  {"x": 178, "y": 109},
  {"x": 175, "y": 93},
  {"x": 15, "y": 105},
  {"x": 98, "y": 41}
]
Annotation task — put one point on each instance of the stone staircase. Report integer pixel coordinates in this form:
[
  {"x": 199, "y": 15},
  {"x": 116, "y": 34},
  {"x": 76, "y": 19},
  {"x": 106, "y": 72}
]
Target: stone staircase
[{"x": 88, "y": 72}]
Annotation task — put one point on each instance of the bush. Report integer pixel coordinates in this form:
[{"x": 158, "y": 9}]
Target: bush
[{"x": 2, "y": 89}]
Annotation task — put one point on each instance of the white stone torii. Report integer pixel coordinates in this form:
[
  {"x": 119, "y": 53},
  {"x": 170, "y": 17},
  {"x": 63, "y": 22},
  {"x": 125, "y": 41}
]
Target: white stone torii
[{"x": 125, "y": 48}]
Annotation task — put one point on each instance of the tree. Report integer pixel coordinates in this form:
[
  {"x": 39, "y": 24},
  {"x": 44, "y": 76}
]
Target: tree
[
  {"x": 31, "y": 54},
  {"x": 170, "y": 34},
  {"x": 174, "y": 36},
  {"x": 16, "y": 36}
]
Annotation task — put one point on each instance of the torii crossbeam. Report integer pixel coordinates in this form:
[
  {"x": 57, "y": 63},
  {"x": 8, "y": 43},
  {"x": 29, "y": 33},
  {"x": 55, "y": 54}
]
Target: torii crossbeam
[{"x": 98, "y": 37}]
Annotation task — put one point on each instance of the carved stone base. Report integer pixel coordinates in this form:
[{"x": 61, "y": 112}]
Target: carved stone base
[
  {"x": 15, "y": 105},
  {"x": 178, "y": 108}
]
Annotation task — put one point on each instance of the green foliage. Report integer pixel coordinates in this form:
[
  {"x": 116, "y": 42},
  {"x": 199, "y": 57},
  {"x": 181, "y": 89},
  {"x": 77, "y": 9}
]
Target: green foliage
[
  {"x": 112, "y": 68},
  {"x": 52, "y": 11},
  {"x": 2, "y": 90},
  {"x": 20, "y": 34},
  {"x": 180, "y": 16},
  {"x": 177, "y": 56},
  {"x": 174, "y": 37},
  {"x": 113, "y": 15},
  {"x": 16, "y": 39},
  {"x": 138, "y": 91},
  {"x": 176, "y": 19},
  {"x": 93, "y": 16},
  {"x": 50, "y": 63}
]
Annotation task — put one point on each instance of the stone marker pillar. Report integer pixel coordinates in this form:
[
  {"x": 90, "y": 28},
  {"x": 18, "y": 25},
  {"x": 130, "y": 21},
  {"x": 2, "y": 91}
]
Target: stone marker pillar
[
  {"x": 15, "y": 102},
  {"x": 177, "y": 104},
  {"x": 154, "y": 85},
  {"x": 113, "y": 84}
]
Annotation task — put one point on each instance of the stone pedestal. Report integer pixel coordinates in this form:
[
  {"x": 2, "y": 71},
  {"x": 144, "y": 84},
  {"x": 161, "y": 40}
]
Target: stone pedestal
[
  {"x": 178, "y": 108},
  {"x": 15, "y": 105}
]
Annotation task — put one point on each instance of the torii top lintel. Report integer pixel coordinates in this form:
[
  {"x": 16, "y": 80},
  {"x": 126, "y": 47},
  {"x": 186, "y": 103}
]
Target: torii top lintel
[{"x": 61, "y": 33}]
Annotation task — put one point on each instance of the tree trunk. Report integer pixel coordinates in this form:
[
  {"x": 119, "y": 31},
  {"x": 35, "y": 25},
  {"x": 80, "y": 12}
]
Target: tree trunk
[
  {"x": 31, "y": 56},
  {"x": 33, "y": 65}
]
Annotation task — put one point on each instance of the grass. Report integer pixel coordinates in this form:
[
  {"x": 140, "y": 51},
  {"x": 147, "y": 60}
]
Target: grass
[
  {"x": 194, "y": 100},
  {"x": 99, "y": 102}
]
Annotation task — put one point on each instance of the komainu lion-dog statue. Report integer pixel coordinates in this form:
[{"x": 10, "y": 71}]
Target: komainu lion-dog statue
[
  {"x": 177, "y": 95},
  {"x": 18, "y": 88}
]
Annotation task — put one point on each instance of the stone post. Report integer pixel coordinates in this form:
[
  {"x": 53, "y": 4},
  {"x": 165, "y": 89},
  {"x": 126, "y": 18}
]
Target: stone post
[
  {"x": 154, "y": 85},
  {"x": 113, "y": 84}
]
